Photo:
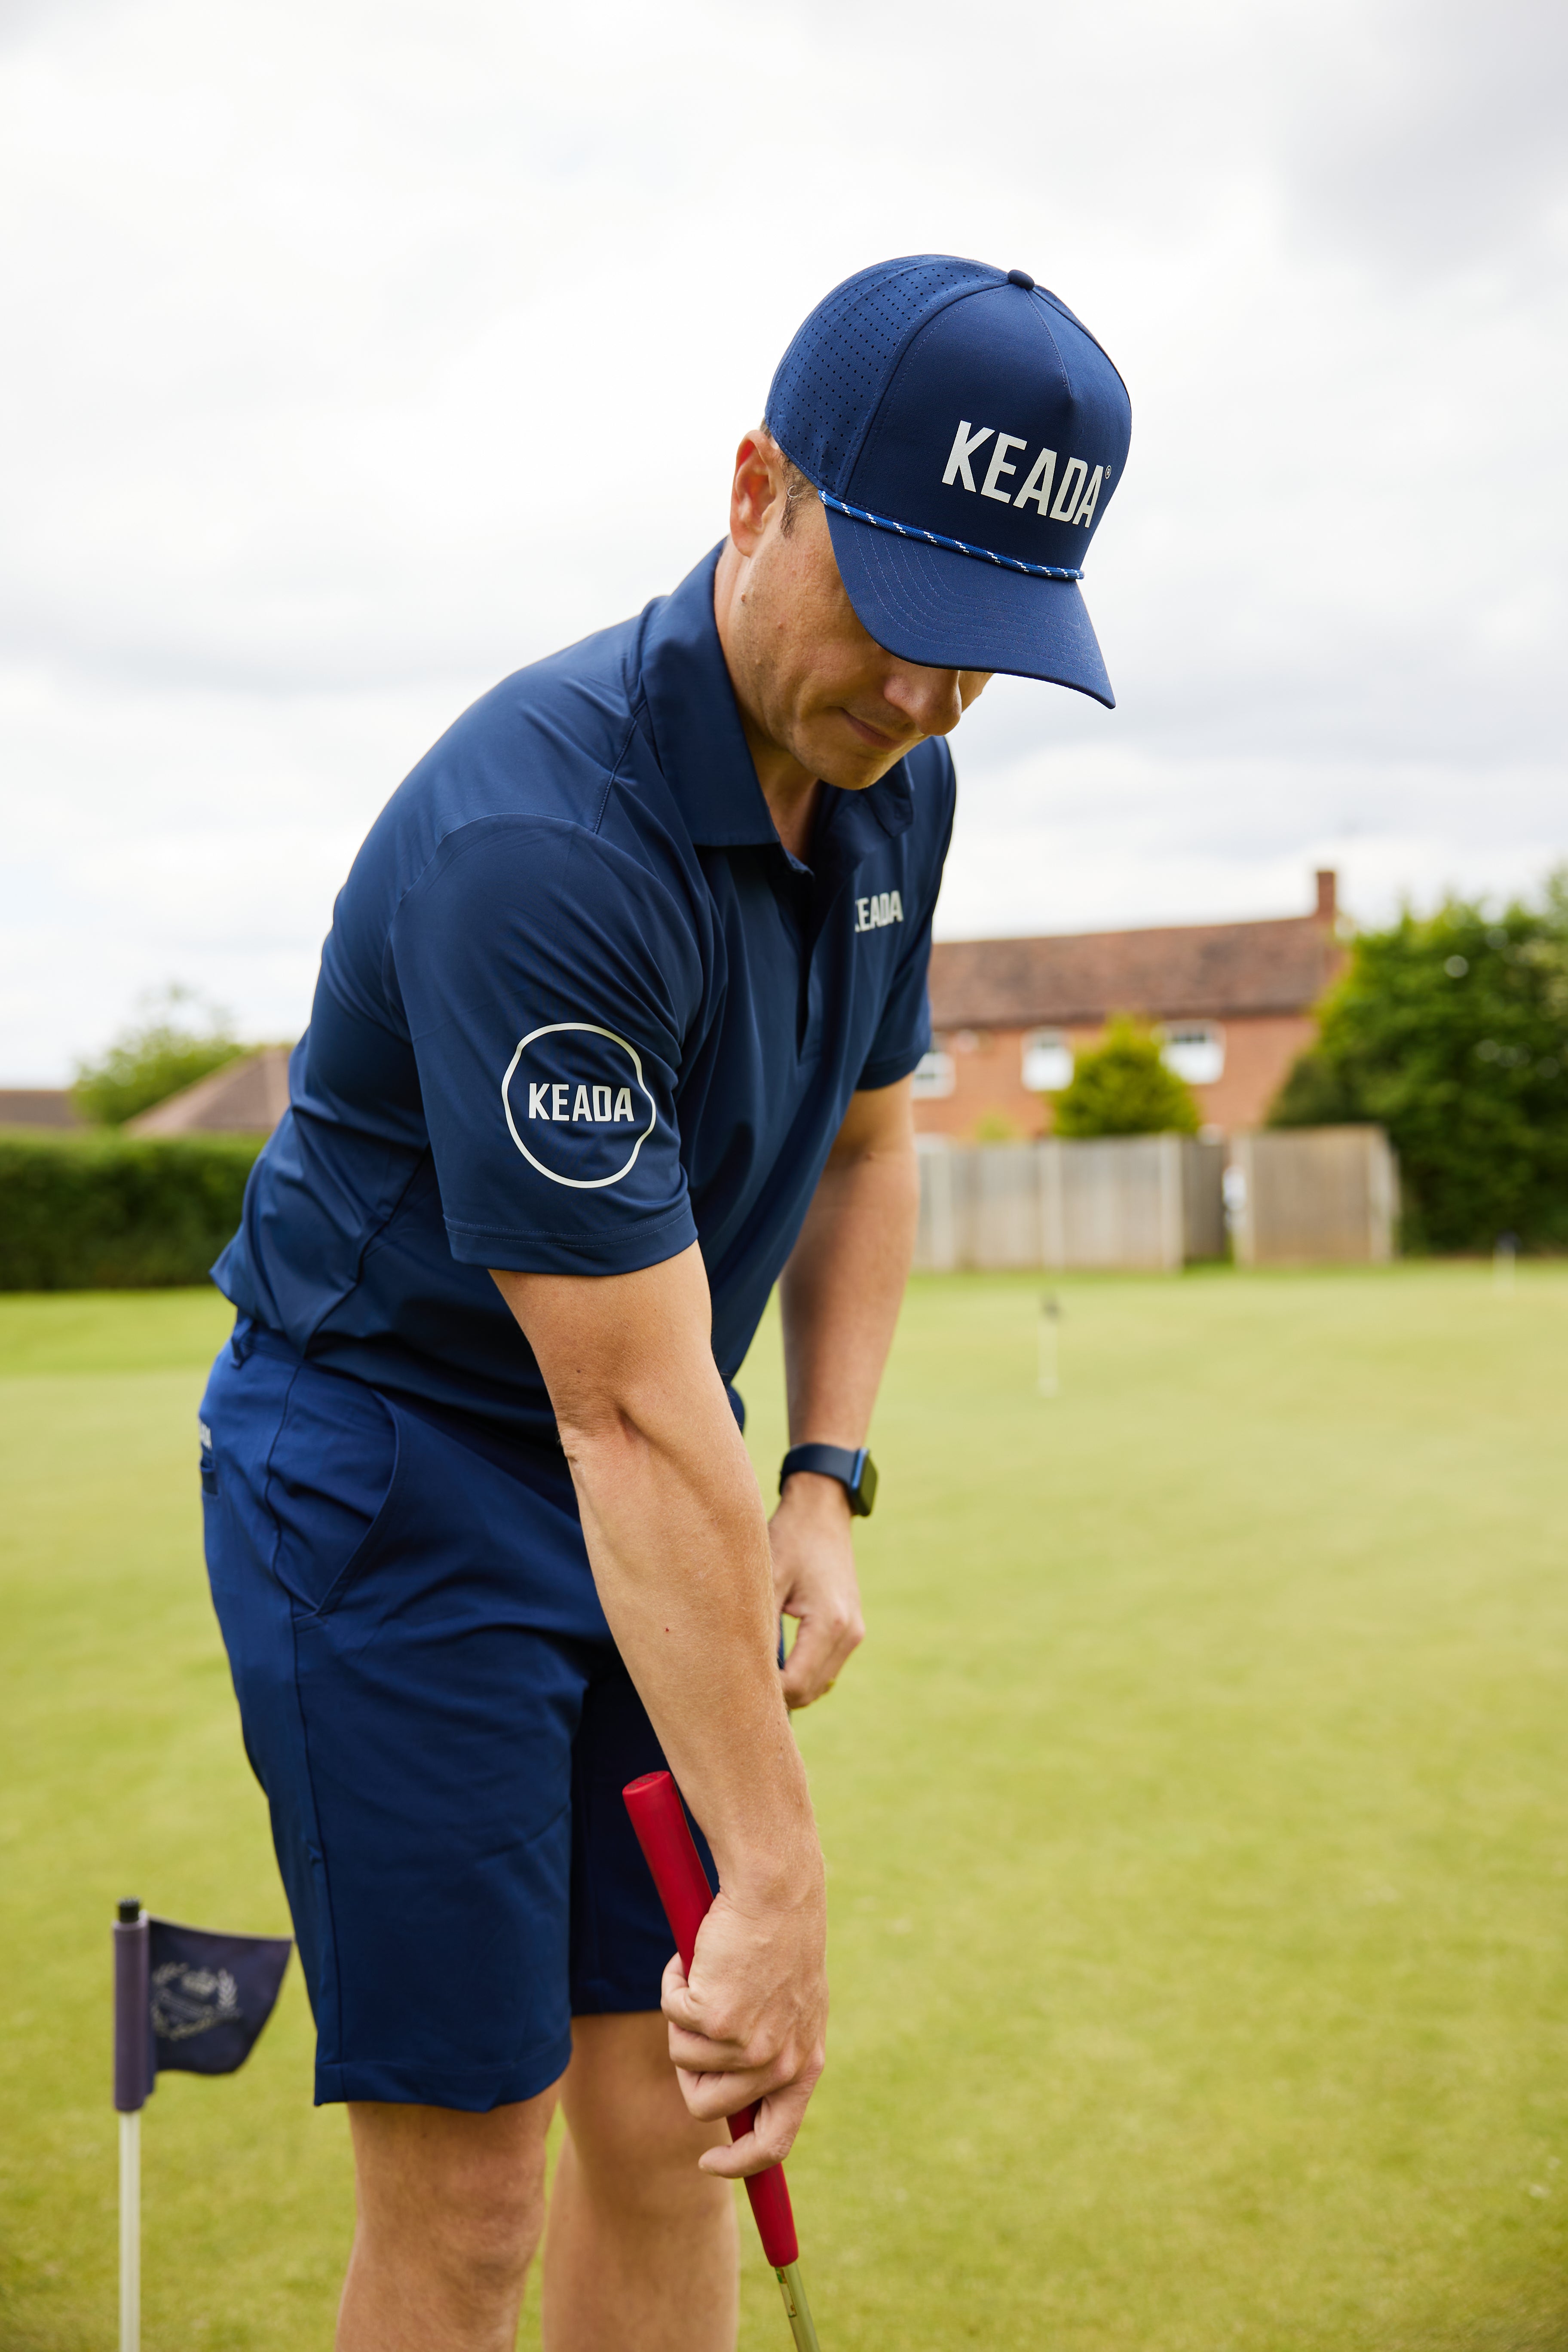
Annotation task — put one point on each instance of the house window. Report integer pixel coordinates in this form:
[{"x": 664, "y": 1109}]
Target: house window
[
  {"x": 1048, "y": 1062},
  {"x": 935, "y": 1077},
  {"x": 1195, "y": 1050}
]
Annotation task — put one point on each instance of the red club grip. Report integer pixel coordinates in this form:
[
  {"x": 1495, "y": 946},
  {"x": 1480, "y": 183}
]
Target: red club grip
[{"x": 665, "y": 1836}]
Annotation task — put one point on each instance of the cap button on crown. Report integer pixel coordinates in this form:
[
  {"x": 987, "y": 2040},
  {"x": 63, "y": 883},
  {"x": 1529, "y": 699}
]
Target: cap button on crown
[{"x": 1020, "y": 278}]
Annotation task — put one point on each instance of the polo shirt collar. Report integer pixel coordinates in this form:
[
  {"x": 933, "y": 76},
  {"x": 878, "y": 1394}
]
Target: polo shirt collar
[
  {"x": 702, "y": 748},
  {"x": 697, "y": 730}
]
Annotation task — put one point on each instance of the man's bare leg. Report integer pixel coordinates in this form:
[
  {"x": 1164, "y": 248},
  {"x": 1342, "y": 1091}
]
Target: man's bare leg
[
  {"x": 641, "y": 2250},
  {"x": 450, "y": 2208}
]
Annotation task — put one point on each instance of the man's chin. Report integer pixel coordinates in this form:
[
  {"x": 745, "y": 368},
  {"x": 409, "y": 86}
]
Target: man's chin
[{"x": 855, "y": 770}]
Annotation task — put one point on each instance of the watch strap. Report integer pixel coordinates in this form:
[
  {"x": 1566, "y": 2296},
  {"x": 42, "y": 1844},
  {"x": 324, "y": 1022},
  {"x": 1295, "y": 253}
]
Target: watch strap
[{"x": 851, "y": 1465}]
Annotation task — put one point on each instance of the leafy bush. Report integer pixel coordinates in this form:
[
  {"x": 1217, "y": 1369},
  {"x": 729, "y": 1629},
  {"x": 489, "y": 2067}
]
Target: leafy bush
[
  {"x": 1123, "y": 1087},
  {"x": 1451, "y": 1031},
  {"x": 117, "y": 1213},
  {"x": 996, "y": 1127},
  {"x": 178, "y": 1042}
]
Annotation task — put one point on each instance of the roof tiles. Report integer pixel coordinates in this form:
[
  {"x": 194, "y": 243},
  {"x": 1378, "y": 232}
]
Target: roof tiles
[{"x": 1218, "y": 969}]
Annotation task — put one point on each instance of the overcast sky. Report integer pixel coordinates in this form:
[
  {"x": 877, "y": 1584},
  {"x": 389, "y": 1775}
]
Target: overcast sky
[{"x": 359, "y": 352}]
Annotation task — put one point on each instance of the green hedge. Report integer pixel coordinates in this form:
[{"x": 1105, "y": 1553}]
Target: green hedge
[{"x": 117, "y": 1213}]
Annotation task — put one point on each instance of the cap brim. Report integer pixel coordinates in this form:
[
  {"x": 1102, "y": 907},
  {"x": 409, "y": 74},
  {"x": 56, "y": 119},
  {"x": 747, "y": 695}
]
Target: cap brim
[{"x": 947, "y": 611}]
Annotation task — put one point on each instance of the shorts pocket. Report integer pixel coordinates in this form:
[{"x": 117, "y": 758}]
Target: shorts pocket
[{"x": 329, "y": 1478}]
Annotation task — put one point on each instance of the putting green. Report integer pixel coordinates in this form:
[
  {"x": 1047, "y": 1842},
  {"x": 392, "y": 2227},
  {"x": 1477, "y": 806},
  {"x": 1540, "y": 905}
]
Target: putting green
[{"x": 1197, "y": 1817}]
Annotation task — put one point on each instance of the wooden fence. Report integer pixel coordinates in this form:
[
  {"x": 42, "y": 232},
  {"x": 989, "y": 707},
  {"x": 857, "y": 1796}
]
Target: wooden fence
[
  {"x": 1314, "y": 1196},
  {"x": 1154, "y": 1203},
  {"x": 1135, "y": 1200}
]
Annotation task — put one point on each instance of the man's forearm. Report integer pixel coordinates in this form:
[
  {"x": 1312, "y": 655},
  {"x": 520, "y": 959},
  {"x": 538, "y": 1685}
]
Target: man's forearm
[
  {"x": 677, "y": 1543},
  {"x": 841, "y": 1296},
  {"x": 845, "y": 1280}
]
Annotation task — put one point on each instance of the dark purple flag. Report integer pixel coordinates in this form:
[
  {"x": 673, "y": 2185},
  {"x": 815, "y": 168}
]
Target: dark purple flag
[
  {"x": 211, "y": 1995},
  {"x": 187, "y": 2000}
]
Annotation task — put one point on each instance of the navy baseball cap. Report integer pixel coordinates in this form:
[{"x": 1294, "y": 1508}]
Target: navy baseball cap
[{"x": 965, "y": 434}]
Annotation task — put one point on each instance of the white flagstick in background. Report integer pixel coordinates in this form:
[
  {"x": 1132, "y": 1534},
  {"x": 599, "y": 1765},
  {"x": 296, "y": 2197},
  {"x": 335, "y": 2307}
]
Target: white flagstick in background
[
  {"x": 1049, "y": 1367},
  {"x": 132, "y": 2081},
  {"x": 131, "y": 2234}
]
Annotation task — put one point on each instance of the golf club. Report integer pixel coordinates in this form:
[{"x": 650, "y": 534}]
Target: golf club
[{"x": 665, "y": 1836}]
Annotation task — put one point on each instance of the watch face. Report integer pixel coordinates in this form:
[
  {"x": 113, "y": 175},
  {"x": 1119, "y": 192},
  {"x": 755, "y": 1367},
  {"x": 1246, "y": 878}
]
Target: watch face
[{"x": 866, "y": 1485}]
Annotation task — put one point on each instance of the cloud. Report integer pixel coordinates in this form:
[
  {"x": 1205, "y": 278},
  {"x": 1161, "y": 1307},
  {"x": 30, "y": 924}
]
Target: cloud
[
  {"x": 1426, "y": 137},
  {"x": 360, "y": 353}
]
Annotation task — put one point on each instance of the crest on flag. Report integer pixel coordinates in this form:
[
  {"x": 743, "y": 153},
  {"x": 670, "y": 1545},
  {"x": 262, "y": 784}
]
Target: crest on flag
[{"x": 187, "y": 2000}]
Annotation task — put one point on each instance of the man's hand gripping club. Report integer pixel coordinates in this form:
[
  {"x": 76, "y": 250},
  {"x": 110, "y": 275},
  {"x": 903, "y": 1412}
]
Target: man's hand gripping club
[{"x": 748, "y": 2026}]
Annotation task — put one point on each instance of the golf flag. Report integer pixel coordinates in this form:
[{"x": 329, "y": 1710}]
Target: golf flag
[
  {"x": 211, "y": 1995},
  {"x": 187, "y": 1998}
]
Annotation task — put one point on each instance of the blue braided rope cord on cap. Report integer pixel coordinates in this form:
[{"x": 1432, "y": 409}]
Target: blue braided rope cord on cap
[{"x": 959, "y": 546}]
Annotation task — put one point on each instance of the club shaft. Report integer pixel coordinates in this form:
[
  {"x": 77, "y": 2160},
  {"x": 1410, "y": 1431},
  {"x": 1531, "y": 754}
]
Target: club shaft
[{"x": 792, "y": 2289}]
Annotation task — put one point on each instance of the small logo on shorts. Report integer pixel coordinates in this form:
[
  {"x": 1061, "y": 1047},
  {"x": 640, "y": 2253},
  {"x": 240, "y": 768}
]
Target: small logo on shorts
[{"x": 576, "y": 1103}]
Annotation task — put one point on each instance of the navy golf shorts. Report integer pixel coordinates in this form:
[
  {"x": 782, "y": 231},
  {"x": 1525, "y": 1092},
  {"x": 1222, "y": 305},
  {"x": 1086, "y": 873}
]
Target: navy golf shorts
[{"x": 432, "y": 1702}]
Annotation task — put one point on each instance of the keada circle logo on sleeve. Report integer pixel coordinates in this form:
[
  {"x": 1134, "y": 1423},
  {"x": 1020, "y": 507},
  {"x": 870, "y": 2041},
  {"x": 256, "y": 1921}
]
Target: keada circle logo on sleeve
[{"x": 577, "y": 1105}]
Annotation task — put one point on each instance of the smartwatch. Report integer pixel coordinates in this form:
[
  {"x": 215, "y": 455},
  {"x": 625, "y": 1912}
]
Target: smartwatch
[{"x": 853, "y": 1467}]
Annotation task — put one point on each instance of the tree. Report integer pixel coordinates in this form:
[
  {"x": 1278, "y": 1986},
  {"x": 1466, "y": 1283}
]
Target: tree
[
  {"x": 178, "y": 1040},
  {"x": 1451, "y": 1031},
  {"x": 1316, "y": 1094},
  {"x": 1124, "y": 1088}
]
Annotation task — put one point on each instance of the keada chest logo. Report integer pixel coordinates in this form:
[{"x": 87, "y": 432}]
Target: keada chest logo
[
  {"x": 882, "y": 906},
  {"x": 576, "y": 1103}
]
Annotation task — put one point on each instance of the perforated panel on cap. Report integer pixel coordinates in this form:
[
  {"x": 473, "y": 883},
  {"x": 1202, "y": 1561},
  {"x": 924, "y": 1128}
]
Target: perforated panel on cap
[{"x": 828, "y": 383}]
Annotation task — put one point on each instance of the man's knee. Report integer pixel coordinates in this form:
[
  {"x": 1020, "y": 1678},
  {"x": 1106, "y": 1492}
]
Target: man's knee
[
  {"x": 458, "y": 2194},
  {"x": 632, "y": 2135},
  {"x": 486, "y": 2235}
]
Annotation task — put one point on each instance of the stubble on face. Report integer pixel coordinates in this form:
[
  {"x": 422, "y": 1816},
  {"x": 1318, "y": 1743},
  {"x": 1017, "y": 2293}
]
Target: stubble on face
[{"x": 815, "y": 681}]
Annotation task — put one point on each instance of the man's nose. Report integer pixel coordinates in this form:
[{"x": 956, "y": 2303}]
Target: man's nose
[{"x": 926, "y": 698}]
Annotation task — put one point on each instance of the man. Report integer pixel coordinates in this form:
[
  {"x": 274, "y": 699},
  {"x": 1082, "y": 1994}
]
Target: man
[{"x": 615, "y": 1027}]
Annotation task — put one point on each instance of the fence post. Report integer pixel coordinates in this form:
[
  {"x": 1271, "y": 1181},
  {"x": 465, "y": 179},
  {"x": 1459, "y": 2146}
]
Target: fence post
[
  {"x": 1053, "y": 1218},
  {"x": 1382, "y": 1196},
  {"x": 935, "y": 1247},
  {"x": 1173, "y": 1222},
  {"x": 1239, "y": 1201}
]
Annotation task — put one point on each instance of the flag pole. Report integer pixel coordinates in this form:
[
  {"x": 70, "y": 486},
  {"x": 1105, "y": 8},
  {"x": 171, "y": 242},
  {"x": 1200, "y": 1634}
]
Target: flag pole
[
  {"x": 132, "y": 2081},
  {"x": 130, "y": 2232}
]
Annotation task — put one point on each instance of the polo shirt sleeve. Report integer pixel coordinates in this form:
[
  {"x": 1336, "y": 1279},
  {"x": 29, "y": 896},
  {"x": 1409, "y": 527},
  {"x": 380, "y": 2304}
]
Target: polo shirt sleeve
[
  {"x": 903, "y": 1032},
  {"x": 548, "y": 980}
]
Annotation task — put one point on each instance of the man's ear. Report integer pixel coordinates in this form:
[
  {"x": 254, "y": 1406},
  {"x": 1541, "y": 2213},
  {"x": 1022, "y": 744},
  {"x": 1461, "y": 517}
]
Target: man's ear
[{"x": 757, "y": 490}]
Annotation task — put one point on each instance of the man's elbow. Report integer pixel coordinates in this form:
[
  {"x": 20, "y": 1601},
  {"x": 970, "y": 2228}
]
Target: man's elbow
[
  {"x": 888, "y": 1166},
  {"x": 613, "y": 1420},
  {"x": 600, "y": 1423}
]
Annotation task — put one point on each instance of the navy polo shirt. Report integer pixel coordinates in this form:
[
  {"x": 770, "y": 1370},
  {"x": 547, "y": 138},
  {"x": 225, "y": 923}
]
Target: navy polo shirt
[{"x": 578, "y": 1008}]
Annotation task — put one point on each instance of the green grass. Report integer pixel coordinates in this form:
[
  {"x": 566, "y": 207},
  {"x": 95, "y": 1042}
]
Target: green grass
[{"x": 1197, "y": 1818}]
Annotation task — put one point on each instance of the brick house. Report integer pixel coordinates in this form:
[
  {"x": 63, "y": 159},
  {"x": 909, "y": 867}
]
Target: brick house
[
  {"x": 247, "y": 1097},
  {"x": 40, "y": 1107},
  {"x": 1234, "y": 1001}
]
